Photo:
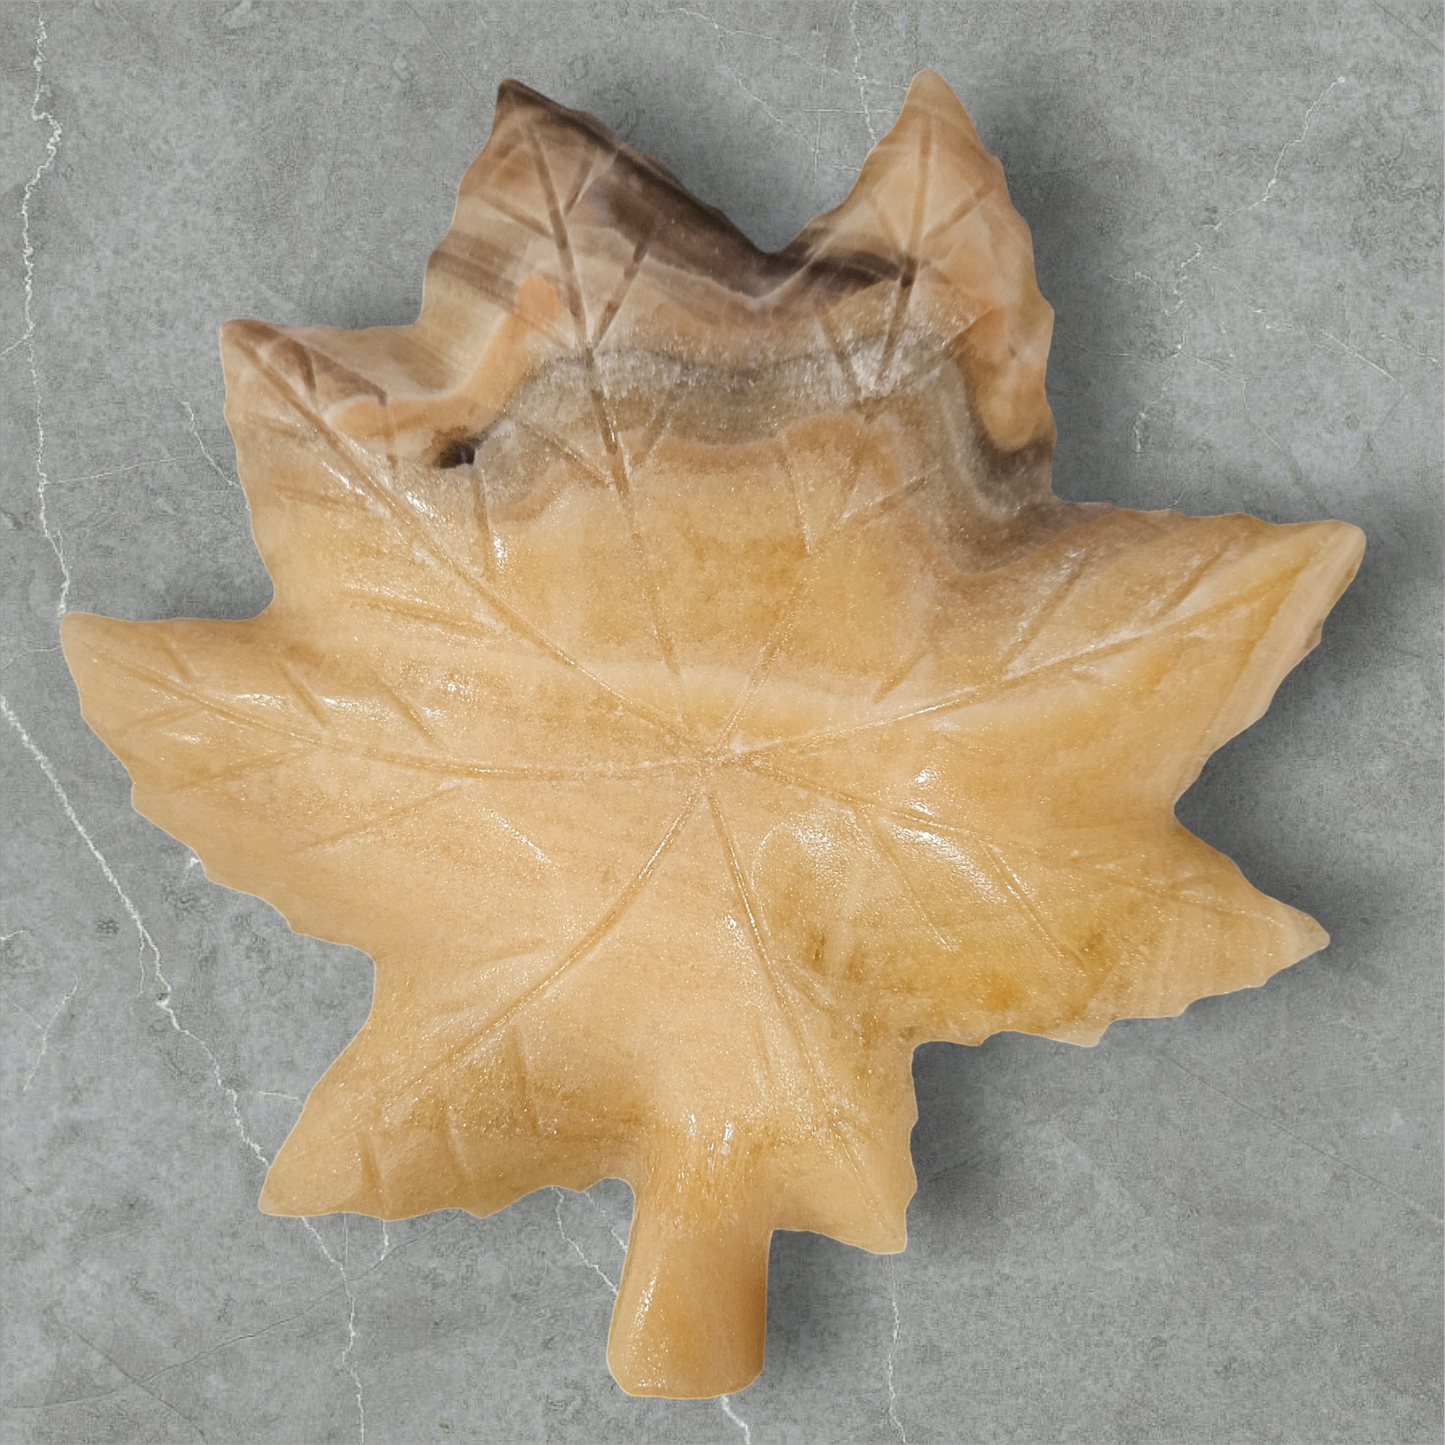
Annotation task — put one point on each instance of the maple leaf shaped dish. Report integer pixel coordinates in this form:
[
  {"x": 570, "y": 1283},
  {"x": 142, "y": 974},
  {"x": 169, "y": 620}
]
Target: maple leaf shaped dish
[{"x": 683, "y": 683}]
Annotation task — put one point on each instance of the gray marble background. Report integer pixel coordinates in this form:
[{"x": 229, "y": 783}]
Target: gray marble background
[{"x": 1221, "y": 1227}]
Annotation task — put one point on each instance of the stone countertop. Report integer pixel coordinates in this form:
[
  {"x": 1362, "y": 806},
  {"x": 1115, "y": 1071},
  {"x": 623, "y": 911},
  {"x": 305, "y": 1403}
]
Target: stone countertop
[{"x": 1225, "y": 1226}]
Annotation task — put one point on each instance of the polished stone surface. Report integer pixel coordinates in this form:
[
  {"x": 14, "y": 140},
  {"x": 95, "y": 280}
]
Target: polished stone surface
[{"x": 1225, "y": 1226}]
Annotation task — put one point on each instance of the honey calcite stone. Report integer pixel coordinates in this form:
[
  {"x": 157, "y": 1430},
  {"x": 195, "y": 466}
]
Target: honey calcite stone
[{"x": 683, "y": 683}]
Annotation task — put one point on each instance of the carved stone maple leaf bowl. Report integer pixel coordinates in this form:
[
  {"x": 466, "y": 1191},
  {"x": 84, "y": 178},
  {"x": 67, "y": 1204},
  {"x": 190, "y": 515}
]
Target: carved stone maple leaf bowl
[{"x": 683, "y": 683}]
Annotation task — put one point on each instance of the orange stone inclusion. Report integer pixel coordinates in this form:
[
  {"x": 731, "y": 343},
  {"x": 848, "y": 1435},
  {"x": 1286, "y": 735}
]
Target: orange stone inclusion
[{"x": 683, "y": 683}]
